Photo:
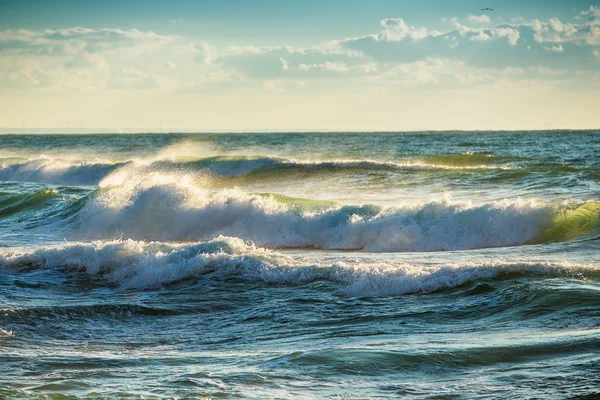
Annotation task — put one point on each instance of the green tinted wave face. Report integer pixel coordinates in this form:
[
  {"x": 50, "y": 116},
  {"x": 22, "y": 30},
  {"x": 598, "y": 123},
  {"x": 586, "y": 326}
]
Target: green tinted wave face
[{"x": 571, "y": 222}]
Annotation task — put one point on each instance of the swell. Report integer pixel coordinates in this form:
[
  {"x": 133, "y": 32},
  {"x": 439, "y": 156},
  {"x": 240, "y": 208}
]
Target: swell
[
  {"x": 490, "y": 168},
  {"x": 237, "y": 166},
  {"x": 42, "y": 206},
  {"x": 136, "y": 265},
  {"x": 14, "y": 203},
  {"x": 33, "y": 316},
  {"x": 55, "y": 171},
  {"x": 471, "y": 159},
  {"x": 355, "y": 361}
]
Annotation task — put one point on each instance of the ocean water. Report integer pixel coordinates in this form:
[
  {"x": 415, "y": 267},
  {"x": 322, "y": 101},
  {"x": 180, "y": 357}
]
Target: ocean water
[{"x": 300, "y": 265}]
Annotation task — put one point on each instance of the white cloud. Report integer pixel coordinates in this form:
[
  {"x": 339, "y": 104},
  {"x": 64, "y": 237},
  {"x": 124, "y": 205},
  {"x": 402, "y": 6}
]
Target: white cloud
[
  {"x": 326, "y": 66},
  {"x": 76, "y": 39},
  {"x": 284, "y": 64},
  {"x": 206, "y": 52},
  {"x": 368, "y": 68},
  {"x": 547, "y": 71},
  {"x": 398, "y": 52},
  {"x": 555, "y": 31},
  {"x": 556, "y": 49},
  {"x": 511, "y": 34},
  {"x": 479, "y": 19},
  {"x": 396, "y": 29},
  {"x": 481, "y": 36}
]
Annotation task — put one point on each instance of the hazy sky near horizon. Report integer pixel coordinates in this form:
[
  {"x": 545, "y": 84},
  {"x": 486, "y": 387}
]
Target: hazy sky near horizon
[{"x": 299, "y": 65}]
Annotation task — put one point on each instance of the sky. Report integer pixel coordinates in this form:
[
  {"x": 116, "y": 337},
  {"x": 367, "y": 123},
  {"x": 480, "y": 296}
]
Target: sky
[{"x": 240, "y": 65}]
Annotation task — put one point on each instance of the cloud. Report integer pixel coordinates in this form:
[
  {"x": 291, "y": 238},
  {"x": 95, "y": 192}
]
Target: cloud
[
  {"x": 400, "y": 43},
  {"x": 480, "y": 36},
  {"x": 74, "y": 40},
  {"x": 479, "y": 19},
  {"x": 397, "y": 29},
  {"x": 74, "y": 58},
  {"x": 396, "y": 52},
  {"x": 207, "y": 53},
  {"x": 510, "y": 33},
  {"x": 284, "y": 64},
  {"x": 555, "y": 31},
  {"x": 326, "y": 66},
  {"x": 556, "y": 49}
]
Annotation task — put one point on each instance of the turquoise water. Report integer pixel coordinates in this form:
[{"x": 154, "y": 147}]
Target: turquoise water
[{"x": 290, "y": 265}]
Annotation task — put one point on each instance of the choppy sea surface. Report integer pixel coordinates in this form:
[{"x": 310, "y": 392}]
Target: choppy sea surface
[{"x": 319, "y": 265}]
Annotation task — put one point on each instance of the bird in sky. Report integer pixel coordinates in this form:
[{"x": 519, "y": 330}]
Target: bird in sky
[{"x": 487, "y": 9}]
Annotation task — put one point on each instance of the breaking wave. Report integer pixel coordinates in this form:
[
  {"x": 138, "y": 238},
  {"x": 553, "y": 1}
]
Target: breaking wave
[
  {"x": 178, "y": 208},
  {"x": 182, "y": 207},
  {"x": 133, "y": 264}
]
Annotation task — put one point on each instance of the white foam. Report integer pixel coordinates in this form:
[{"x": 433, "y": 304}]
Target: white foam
[{"x": 136, "y": 264}]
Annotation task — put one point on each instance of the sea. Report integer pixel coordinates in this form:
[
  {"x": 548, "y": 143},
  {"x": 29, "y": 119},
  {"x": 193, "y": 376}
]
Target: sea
[{"x": 367, "y": 265}]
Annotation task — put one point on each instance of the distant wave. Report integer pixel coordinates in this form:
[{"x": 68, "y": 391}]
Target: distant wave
[
  {"x": 470, "y": 160},
  {"x": 238, "y": 166},
  {"x": 52, "y": 171},
  {"x": 135, "y": 264},
  {"x": 64, "y": 172}
]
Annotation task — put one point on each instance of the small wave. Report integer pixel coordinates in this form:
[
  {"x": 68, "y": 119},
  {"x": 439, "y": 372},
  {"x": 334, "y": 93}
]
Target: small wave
[
  {"x": 241, "y": 166},
  {"x": 57, "y": 172},
  {"x": 13, "y": 203},
  {"x": 29, "y": 207},
  {"x": 39, "y": 314},
  {"x": 135, "y": 265},
  {"x": 470, "y": 160}
]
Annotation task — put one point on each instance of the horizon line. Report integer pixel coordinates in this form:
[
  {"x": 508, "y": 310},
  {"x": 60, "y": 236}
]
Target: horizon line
[{"x": 100, "y": 131}]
